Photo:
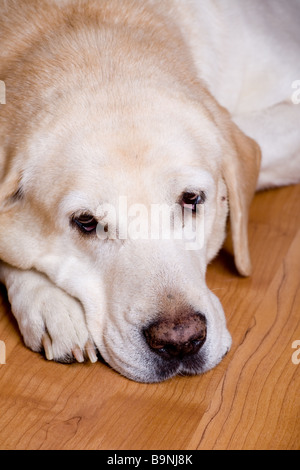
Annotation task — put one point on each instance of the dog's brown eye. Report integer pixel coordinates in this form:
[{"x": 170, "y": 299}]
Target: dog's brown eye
[
  {"x": 86, "y": 222},
  {"x": 193, "y": 199}
]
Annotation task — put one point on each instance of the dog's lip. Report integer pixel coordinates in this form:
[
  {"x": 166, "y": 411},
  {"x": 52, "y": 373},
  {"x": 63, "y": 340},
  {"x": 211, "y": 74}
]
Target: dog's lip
[
  {"x": 162, "y": 370},
  {"x": 149, "y": 372}
]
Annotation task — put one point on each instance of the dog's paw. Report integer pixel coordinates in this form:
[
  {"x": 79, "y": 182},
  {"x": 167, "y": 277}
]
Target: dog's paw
[
  {"x": 65, "y": 336},
  {"x": 49, "y": 319}
]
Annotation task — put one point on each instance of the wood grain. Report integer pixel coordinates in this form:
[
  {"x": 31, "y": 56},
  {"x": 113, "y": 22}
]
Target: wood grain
[{"x": 250, "y": 401}]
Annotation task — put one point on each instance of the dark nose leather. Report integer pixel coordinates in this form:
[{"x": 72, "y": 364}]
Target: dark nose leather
[{"x": 177, "y": 338}]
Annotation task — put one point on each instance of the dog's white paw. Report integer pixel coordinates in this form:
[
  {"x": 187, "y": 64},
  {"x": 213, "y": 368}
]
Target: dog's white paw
[{"x": 49, "y": 319}]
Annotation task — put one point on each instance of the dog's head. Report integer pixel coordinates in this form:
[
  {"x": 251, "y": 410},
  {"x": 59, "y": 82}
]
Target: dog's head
[{"x": 118, "y": 190}]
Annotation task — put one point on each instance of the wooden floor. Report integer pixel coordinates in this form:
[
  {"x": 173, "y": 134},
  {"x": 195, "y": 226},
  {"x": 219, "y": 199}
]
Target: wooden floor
[{"x": 250, "y": 401}]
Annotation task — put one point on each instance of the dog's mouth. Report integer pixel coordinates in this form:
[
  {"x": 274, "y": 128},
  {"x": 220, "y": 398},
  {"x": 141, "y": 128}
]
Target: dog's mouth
[{"x": 187, "y": 366}]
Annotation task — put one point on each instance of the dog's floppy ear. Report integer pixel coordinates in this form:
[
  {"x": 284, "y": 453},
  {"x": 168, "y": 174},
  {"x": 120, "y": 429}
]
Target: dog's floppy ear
[{"x": 240, "y": 167}]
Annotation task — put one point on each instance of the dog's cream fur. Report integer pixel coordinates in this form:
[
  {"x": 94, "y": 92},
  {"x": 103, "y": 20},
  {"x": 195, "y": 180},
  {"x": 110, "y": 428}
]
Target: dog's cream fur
[{"x": 143, "y": 100}]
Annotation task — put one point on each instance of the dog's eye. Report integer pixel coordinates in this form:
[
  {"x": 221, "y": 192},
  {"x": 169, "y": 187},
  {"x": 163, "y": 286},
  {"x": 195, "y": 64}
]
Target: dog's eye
[
  {"x": 86, "y": 222},
  {"x": 193, "y": 199}
]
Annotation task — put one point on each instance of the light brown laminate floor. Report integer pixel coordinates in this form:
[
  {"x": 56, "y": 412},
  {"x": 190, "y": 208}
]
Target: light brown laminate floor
[{"x": 250, "y": 401}]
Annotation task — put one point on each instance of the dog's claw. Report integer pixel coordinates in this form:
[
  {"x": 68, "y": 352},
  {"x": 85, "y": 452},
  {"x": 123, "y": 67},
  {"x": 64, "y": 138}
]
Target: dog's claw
[
  {"x": 47, "y": 345},
  {"x": 77, "y": 353},
  {"x": 90, "y": 351}
]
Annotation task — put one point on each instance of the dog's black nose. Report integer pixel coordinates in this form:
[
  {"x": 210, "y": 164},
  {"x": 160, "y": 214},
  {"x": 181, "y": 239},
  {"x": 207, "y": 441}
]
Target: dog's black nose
[{"x": 177, "y": 338}]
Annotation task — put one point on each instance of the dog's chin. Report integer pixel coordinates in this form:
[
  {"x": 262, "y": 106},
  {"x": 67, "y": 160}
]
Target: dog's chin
[
  {"x": 158, "y": 370},
  {"x": 190, "y": 365}
]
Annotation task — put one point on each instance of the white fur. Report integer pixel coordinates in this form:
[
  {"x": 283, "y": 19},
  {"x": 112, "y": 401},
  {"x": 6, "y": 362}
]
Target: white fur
[
  {"x": 249, "y": 59},
  {"x": 247, "y": 54}
]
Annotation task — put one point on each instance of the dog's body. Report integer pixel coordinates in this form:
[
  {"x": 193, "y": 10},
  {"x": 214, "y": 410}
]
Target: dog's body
[{"x": 156, "y": 103}]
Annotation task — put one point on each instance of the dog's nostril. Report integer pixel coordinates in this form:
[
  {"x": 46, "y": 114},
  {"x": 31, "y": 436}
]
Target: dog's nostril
[{"x": 177, "y": 338}]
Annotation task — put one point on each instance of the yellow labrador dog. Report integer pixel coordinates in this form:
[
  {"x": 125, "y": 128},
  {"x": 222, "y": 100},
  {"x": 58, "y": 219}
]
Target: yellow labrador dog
[{"x": 115, "y": 110}]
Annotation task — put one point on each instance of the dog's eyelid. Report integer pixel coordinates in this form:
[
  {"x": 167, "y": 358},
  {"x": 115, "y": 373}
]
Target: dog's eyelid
[
  {"x": 86, "y": 218},
  {"x": 82, "y": 215}
]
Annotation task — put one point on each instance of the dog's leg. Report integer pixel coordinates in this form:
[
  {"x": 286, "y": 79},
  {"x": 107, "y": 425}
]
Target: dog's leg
[
  {"x": 277, "y": 132},
  {"x": 48, "y": 317}
]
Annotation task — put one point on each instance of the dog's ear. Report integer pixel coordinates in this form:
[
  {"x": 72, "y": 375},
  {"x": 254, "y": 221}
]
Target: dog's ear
[{"x": 240, "y": 167}]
